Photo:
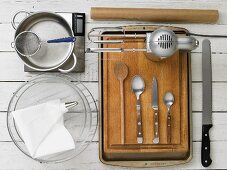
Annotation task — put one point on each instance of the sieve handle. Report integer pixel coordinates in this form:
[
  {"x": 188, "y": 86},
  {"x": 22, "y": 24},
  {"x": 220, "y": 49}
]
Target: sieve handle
[
  {"x": 15, "y": 15},
  {"x": 70, "y": 69},
  {"x": 62, "y": 40}
]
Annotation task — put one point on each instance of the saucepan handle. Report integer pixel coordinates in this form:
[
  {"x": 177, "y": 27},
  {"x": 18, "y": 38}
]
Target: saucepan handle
[
  {"x": 15, "y": 15},
  {"x": 70, "y": 69},
  {"x": 13, "y": 44}
]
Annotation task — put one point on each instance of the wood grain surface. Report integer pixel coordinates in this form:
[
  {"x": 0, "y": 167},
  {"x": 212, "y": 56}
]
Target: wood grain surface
[
  {"x": 155, "y": 15},
  {"x": 171, "y": 75},
  {"x": 12, "y": 76}
]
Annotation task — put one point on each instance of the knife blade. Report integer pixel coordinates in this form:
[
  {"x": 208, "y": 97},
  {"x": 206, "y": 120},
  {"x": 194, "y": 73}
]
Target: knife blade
[
  {"x": 207, "y": 103},
  {"x": 155, "y": 108}
]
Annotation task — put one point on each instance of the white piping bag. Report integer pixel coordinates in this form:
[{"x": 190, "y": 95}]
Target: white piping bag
[{"x": 42, "y": 129}]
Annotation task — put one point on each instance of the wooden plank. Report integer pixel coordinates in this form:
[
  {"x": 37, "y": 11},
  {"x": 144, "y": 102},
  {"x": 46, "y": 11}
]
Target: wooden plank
[
  {"x": 12, "y": 158},
  {"x": 133, "y": 1},
  {"x": 12, "y": 68},
  {"x": 75, "y": 5},
  {"x": 4, "y": 134},
  {"x": 92, "y": 87},
  {"x": 219, "y": 64},
  {"x": 7, "y": 35},
  {"x": 217, "y": 44},
  {"x": 8, "y": 88},
  {"x": 217, "y": 132},
  {"x": 219, "y": 97}
]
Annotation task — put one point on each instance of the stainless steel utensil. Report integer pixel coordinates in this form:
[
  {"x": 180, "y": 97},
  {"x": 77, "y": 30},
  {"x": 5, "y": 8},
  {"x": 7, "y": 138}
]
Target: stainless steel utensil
[
  {"x": 27, "y": 44},
  {"x": 138, "y": 86},
  {"x": 207, "y": 103},
  {"x": 168, "y": 100},
  {"x": 163, "y": 42},
  {"x": 155, "y": 108},
  {"x": 70, "y": 105},
  {"x": 121, "y": 72},
  {"x": 43, "y": 24}
]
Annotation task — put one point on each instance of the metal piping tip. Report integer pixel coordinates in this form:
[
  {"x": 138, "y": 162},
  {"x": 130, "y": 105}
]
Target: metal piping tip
[{"x": 70, "y": 105}]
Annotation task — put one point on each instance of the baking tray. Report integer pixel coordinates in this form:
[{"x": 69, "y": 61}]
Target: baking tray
[{"x": 147, "y": 154}]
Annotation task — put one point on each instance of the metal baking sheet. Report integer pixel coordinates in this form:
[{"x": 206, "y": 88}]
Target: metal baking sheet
[{"x": 145, "y": 163}]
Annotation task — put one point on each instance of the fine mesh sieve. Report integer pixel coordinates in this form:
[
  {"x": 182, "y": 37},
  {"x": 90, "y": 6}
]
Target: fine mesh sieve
[{"x": 27, "y": 43}]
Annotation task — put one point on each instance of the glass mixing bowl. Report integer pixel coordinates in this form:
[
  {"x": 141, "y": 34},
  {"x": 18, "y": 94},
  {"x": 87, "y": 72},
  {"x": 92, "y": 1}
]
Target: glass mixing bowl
[{"x": 81, "y": 121}]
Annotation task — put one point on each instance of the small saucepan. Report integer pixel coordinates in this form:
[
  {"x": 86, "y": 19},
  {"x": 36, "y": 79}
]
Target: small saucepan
[{"x": 47, "y": 25}]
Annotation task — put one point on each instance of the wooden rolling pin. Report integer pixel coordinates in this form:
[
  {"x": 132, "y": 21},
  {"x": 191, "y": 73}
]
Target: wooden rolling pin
[{"x": 155, "y": 15}]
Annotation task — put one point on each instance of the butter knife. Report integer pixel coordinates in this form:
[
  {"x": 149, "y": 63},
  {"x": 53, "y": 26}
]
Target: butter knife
[
  {"x": 207, "y": 103},
  {"x": 155, "y": 108}
]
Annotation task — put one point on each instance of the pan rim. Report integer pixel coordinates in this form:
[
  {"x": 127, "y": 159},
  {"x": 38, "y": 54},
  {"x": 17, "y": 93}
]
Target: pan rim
[{"x": 29, "y": 63}]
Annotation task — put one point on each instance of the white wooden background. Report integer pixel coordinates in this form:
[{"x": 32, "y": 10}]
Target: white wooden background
[{"x": 12, "y": 76}]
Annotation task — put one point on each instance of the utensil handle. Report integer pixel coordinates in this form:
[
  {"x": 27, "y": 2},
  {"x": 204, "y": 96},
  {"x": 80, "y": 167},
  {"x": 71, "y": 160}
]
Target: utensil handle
[
  {"x": 205, "y": 150},
  {"x": 155, "y": 15},
  {"x": 122, "y": 112},
  {"x": 156, "y": 129},
  {"x": 70, "y": 69},
  {"x": 14, "y": 17},
  {"x": 97, "y": 50},
  {"x": 62, "y": 40},
  {"x": 187, "y": 43},
  {"x": 169, "y": 127},
  {"x": 139, "y": 122}
]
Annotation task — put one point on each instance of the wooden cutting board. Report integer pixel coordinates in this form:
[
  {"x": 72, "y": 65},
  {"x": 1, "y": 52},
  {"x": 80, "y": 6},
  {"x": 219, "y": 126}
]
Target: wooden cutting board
[{"x": 172, "y": 75}]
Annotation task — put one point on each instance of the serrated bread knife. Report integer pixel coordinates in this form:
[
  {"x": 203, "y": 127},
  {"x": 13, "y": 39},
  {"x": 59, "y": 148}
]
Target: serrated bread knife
[{"x": 207, "y": 103}]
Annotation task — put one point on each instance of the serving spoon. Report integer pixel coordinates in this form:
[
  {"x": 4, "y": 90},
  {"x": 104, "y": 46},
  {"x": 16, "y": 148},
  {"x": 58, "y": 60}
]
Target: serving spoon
[{"x": 169, "y": 100}]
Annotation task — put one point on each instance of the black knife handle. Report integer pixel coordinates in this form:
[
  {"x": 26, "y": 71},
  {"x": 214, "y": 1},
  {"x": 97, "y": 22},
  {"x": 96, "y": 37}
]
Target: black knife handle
[{"x": 205, "y": 150}]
